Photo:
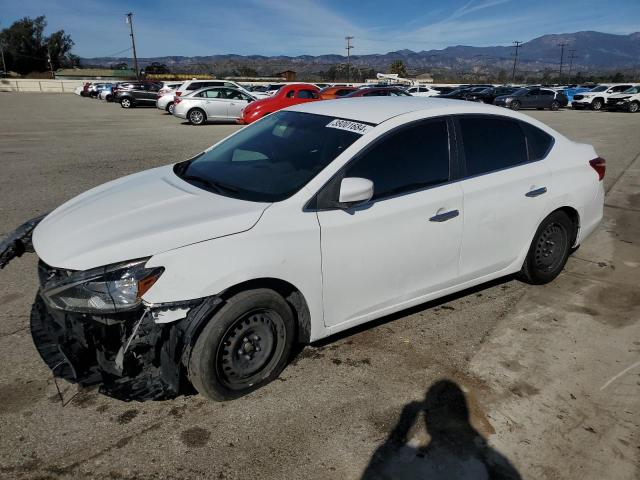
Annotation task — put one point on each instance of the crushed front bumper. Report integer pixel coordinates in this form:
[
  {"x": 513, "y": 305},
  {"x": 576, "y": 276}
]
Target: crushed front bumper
[
  {"x": 16, "y": 243},
  {"x": 128, "y": 354}
]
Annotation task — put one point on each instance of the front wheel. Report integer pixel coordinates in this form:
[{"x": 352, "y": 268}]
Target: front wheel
[
  {"x": 555, "y": 105},
  {"x": 515, "y": 105},
  {"x": 549, "y": 249},
  {"x": 126, "y": 103},
  {"x": 597, "y": 104},
  {"x": 196, "y": 117},
  {"x": 244, "y": 346},
  {"x": 634, "y": 107}
]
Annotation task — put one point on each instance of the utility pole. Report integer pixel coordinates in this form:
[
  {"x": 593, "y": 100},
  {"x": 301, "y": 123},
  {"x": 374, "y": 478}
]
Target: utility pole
[
  {"x": 348, "y": 48},
  {"x": 571, "y": 57},
  {"x": 49, "y": 60},
  {"x": 4, "y": 65},
  {"x": 517, "y": 44},
  {"x": 561, "y": 45},
  {"x": 133, "y": 44}
]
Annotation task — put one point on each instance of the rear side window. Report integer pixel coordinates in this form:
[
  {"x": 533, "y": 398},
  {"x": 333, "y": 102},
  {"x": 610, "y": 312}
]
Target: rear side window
[
  {"x": 492, "y": 144},
  {"x": 307, "y": 94},
  {"x": 538, "y": 142},
  {"x": 413, "y": 158}
]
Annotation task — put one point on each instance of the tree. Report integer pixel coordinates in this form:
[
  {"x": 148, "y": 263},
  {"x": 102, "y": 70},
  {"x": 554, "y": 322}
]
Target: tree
[
  {"x": 399, "y": 68},
  {"x": 26, "y": 48},
  {"x": 156, "y": 68}
]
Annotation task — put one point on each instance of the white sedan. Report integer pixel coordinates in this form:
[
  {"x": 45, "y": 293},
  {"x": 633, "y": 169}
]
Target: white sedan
[
  {"x": 211, "y": 104},
  {"x": 310, "y": 221},
  {"x": 422, "y": 91}
]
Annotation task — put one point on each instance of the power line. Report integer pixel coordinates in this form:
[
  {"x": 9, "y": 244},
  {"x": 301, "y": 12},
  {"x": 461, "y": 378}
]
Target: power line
[
  {"x": 133, "y": 44},
  {"x": 348, "y": 48},
  {"x": 571, "y": 57},
  {"x": 517, "y": 44},
  {"x": 561, "y": 45}
]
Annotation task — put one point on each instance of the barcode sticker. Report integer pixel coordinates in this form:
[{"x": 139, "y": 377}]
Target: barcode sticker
[{"x": 350, "y": 126}]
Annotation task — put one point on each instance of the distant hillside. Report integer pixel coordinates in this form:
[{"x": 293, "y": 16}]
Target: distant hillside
[{"x": 594, "y": 51}]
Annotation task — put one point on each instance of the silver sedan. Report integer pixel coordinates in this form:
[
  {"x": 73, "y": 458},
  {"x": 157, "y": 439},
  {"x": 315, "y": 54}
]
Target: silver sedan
[{"x": 211, "y": 104}]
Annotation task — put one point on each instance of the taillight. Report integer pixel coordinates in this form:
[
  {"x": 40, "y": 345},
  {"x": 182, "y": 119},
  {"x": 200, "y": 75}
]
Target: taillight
[
  {"x": 178, "y": 94},
  {"x": 600, "y": 166},
  {"x": 176, "y": 100}
]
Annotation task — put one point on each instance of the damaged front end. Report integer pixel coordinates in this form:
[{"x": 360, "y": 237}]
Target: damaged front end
[
  {"x": 130, "y": 354},
  {"x": 18, "y": 242}
]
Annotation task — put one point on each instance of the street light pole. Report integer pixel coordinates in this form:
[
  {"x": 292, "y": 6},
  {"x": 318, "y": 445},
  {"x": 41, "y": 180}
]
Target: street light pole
[
  {"x": 133, "y": 44},
  {"x": 348, "y": 48}
]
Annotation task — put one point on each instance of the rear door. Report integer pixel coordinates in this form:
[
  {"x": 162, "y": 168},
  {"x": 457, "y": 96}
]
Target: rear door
[
  {"x": 504, "y": 186},
  {"x": 404, "y": 243},
  {"x": 215, "y": 103},
  {"x": 531, "y": 99},
  {"x": 236, "y": 101},
  {"x": 546, "y": 98}
]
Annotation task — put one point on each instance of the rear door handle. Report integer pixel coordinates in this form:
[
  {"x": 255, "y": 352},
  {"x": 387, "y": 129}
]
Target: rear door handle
[
  {"x": 536, "y": 192},
  {"x": 443, "y": 217}
]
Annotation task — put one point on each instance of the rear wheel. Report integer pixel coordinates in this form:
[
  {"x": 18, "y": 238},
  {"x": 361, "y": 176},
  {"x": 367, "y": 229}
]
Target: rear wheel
[
  {"x": 549, "y": 249},
  {"x": 245, "y": 345},
  {"x": 196, "y": 116},
  {"x": 555, "y": 105},
  {"x": 515, "y": 105},
  {"x": 170, "y": 107},
  {"x": 597, "y": 104},
  {"x": 634, "y": 107},
  {"x": 126, "y": 103}
]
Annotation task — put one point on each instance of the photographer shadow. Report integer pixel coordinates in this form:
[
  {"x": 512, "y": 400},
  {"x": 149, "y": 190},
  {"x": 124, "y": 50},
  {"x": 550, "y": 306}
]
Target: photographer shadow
[{"x": 456, "y": 450}]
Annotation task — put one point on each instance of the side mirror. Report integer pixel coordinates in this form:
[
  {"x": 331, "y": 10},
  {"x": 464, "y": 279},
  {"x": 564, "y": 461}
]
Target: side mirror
[{"x": 354, "y": 190}]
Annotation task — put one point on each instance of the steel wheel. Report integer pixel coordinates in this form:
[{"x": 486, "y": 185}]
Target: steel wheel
[
  {"x": 196, "y": 117},
  {"x": 551, "y": 247},
  {"x": 252, "y": 345}
]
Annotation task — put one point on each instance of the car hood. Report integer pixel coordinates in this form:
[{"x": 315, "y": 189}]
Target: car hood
[{"x": 138, "y": 216}]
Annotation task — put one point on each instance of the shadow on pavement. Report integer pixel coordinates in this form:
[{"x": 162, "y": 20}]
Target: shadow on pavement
[{"x": 456, "y": 451}]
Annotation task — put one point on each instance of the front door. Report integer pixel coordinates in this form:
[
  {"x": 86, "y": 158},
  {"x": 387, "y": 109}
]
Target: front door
[{"x": 403, "y": 244}]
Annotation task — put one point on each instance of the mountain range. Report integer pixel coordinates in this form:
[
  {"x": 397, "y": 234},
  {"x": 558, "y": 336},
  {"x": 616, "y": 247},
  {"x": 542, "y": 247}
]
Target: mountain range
[{"x": 591, "y": 51}]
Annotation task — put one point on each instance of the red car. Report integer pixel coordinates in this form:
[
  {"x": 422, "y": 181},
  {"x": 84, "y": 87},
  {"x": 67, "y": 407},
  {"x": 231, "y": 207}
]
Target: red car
[{"x": 291, "y": 94}]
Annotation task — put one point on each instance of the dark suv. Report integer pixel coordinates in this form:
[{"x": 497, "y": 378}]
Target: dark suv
[{"x": 133, "y": 94}]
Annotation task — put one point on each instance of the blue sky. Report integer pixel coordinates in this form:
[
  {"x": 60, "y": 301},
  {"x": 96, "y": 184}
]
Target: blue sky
[{"x": 297, "y": 27}]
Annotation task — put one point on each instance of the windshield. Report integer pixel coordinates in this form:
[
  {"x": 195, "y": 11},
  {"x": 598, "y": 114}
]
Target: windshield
[
  {"x": 601, "y": 88},
  {"x": 272, "y": 159},
  {"x": 633, "y": 90}
]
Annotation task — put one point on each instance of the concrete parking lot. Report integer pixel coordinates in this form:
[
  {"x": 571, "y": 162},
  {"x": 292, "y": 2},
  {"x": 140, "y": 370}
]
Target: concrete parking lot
[{"x": 550, "y": 374}]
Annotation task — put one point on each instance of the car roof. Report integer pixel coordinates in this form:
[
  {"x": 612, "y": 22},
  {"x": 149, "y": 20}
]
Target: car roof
[{"x": 379, "y": 109}]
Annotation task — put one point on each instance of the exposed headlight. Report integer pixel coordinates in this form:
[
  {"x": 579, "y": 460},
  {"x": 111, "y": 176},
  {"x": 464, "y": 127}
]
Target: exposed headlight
[
  {"x": 110, "y": 289},
  {"x": 508, "y": 99}
]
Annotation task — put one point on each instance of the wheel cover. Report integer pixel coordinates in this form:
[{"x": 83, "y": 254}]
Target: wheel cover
[
  {"x": 633, "y": 107},
  {"x": 196, "y": 116},
  {"x": 250, "y": 348},
  {"x": 551, "y": 248},
  {"x": 126, "y": 103}
]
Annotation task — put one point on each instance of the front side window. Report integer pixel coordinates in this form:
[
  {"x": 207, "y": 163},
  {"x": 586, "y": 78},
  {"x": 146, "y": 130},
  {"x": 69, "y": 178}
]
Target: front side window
[
  {"x": 307, "y": 94},
  {"x": 413, "y": 158},
  {"x": 269, "y": 160},
  {"x": 491, "y": 144}
]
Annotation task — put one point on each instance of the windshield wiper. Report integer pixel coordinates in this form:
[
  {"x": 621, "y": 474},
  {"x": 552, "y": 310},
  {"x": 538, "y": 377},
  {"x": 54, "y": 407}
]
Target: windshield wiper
[{"x": 217, "y": 187}]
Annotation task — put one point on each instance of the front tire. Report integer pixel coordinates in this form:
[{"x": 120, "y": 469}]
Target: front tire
[
  {"x": 244, "y": 346},
  {"x": 597, "y": 104},
  {"x": 196, "y": 116},
  {"x": 515, "y": 105},
  {"x": 555, "y": 106},
  {"x": 634, "y": 107},
  {"x": 126, "y": 103},
  {"x": 549, "y": 249}
]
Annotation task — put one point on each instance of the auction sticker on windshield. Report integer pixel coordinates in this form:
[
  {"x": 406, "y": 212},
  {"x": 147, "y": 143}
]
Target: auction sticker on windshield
[{"x": 350, "y": 126}]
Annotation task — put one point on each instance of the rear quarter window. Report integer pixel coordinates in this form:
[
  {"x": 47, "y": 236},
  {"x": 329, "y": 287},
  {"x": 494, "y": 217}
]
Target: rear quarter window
[{"x": 538, "y": 142}]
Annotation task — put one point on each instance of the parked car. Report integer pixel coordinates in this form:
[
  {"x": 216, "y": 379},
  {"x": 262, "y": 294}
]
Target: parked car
[
  {"x": 207, "y": 272},
  {"x": 85, "y": 89},
  {"x": 422, "y": 91},
  {"x": 193, "y": 85},
  {"x": 100, "y": 88},
  {"x": 488, "y": 95},
  {"x": 456, "y": 94},
  {"x": 167, "y": 87},
  {"x": 212, "y": 104},
  {"x": 629, "y": 100},
  {"x": 444, "y": 90},
  {"x": 539, "y": 98},
  {"x": 165, "y": 97},
  {"x": 378, "y": 92},
  {"x": 136, "y": 94},
  {"x": 596, "y": 98},
  {"x": 94, "y": 89},
  {"x": 288, "y": 95},
  {"x": 330, "y": 93}
]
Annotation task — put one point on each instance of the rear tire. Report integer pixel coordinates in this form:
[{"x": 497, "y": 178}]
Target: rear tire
[
  {"x": 549, "y": 249},
  {"x": 244, "y": 346},
  {"x": 515, "y": 105},
  {"x": 196, "y": 116},
  {"x": 597, "y": 104},
  {"x": 170, "y": 107},
  {"x": 126, "y": 103}
]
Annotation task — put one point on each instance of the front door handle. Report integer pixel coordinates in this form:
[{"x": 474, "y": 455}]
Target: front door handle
[
  {"x": 536, "y": 192},
  {"x": 443, "y": 217}
]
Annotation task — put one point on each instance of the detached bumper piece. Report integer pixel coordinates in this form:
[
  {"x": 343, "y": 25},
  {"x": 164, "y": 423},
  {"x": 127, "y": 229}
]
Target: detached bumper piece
[
  {"x": 18, "y": 242},
  {"x": 129, "y": 355}
]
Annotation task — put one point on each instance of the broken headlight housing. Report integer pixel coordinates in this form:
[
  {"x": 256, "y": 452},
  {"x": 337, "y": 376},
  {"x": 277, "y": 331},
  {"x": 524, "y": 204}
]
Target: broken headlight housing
[{"x": 110, "y": 289}]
